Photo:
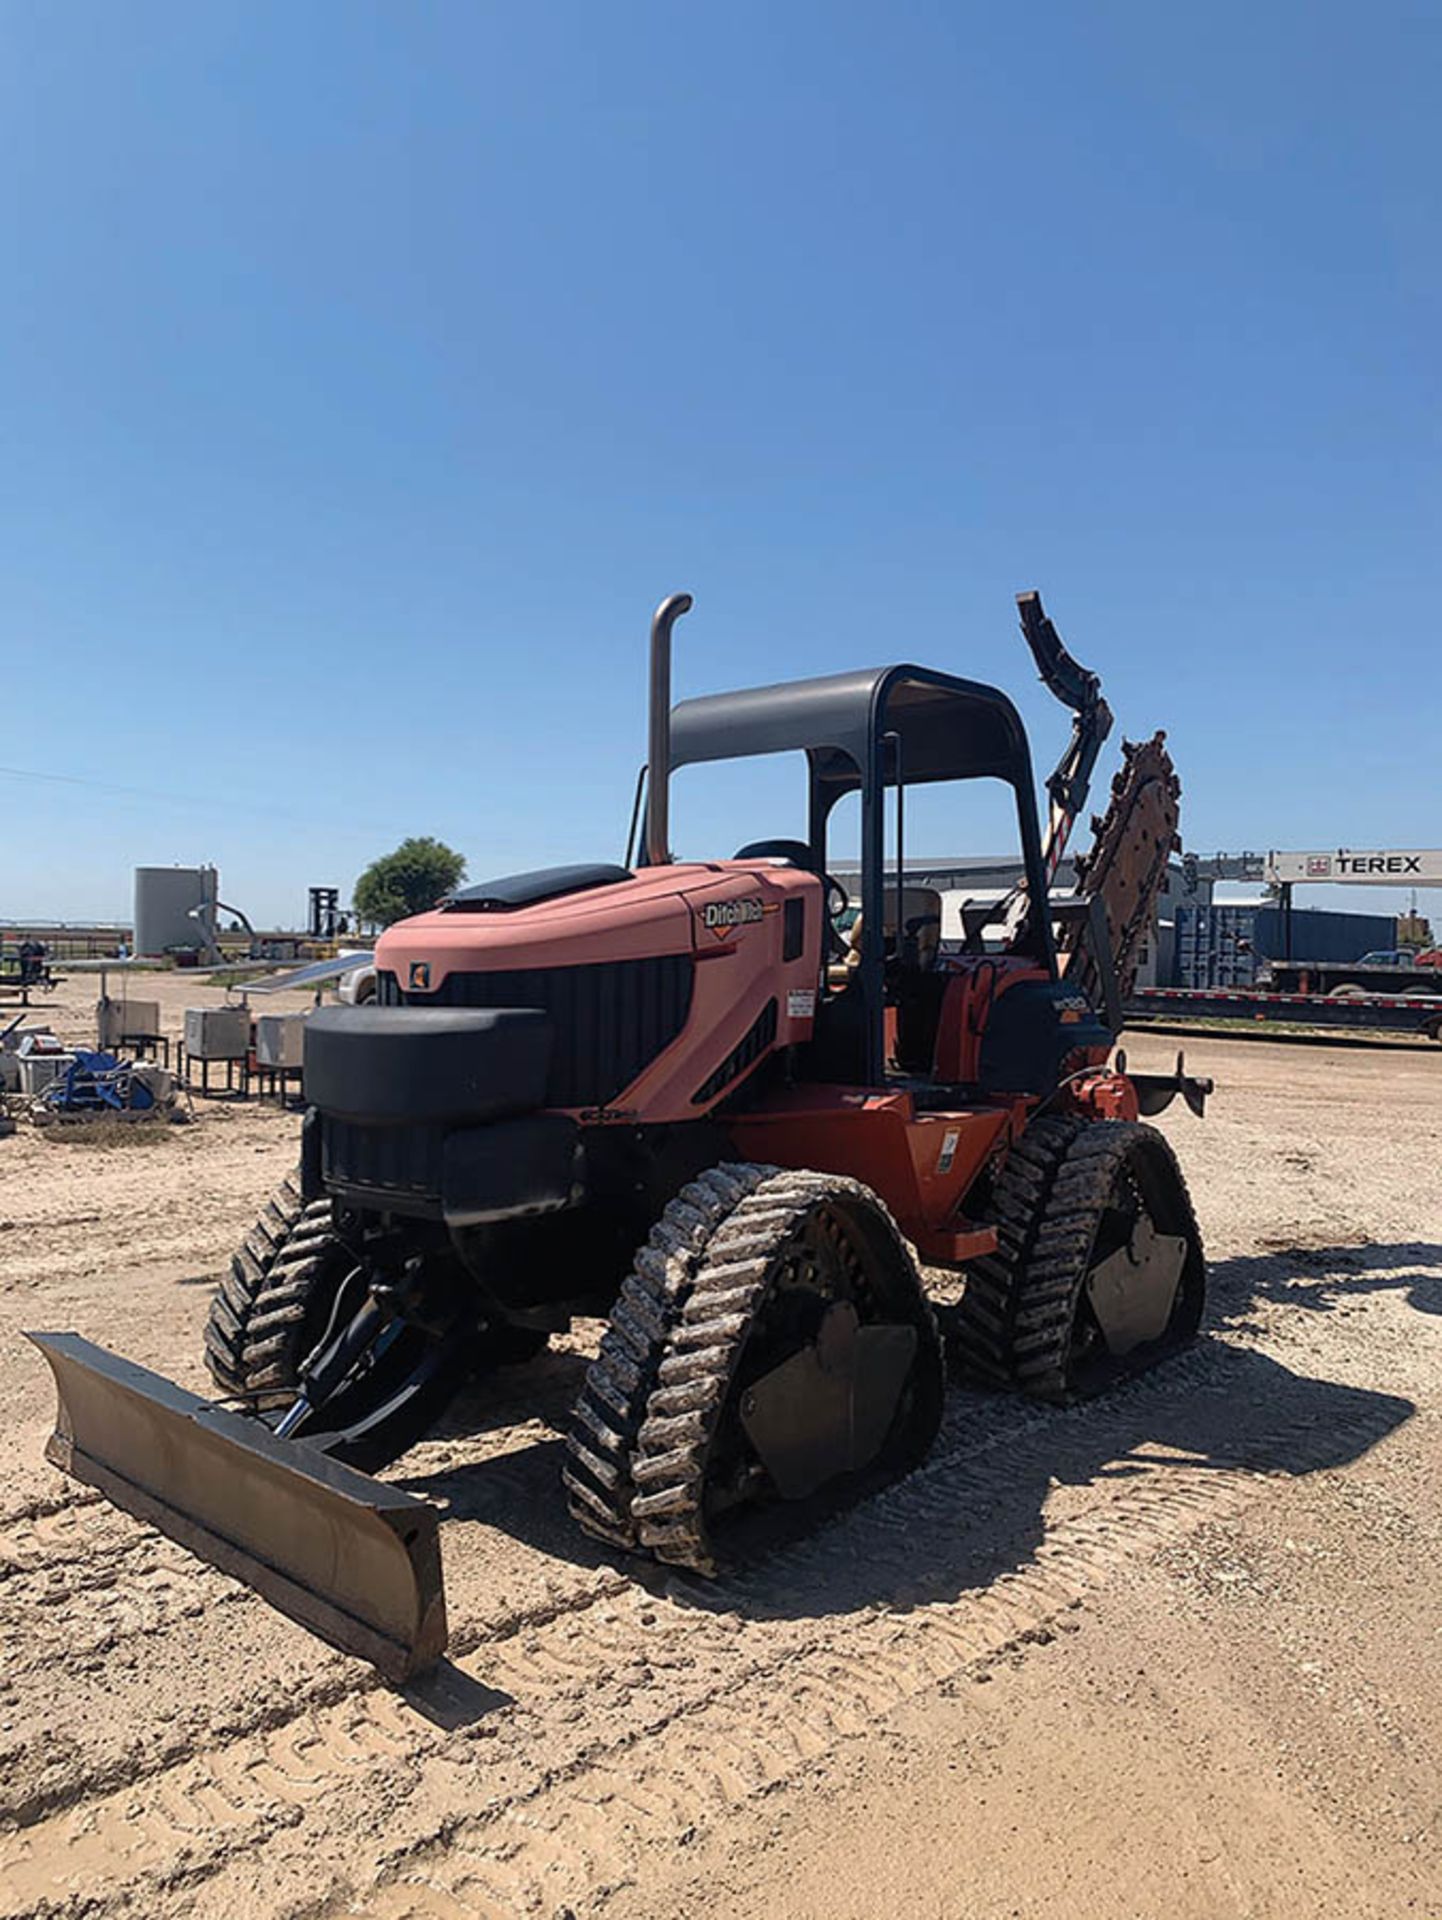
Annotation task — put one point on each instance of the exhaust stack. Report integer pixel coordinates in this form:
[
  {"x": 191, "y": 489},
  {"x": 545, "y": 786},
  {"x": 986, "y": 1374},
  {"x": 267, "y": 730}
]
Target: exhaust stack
[{"x": 657, "y": 850}]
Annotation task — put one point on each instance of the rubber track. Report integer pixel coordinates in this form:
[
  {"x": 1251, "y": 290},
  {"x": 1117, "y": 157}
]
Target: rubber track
[
  {"x": 684, "y": 1412},
  {"x": 982, "y": 1327},
  {"x": 1048, "y": 1287},
  {"x": 613, "y": 1401},
  {"x": 260, "y": 1305}
]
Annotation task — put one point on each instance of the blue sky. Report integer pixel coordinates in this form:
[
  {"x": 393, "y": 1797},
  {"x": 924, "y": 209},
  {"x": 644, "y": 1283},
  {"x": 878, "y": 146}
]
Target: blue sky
[{"x": 368, "y": 372}]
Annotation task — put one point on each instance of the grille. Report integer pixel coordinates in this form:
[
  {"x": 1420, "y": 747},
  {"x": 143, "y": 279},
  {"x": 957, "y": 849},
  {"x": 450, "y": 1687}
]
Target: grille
[
  {"x": 383, "y": 1159},
  {"x": 746, "y": 1051},
  {"x": 609, "y": 1021}
]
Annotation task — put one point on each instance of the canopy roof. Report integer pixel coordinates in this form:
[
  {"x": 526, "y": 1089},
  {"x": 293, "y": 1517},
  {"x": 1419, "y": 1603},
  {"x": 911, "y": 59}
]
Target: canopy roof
[{"x": 948, "y": 729}]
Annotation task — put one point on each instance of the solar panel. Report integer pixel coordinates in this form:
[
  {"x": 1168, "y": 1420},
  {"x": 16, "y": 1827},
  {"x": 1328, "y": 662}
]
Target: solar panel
[{"x": 310, "y": 976}]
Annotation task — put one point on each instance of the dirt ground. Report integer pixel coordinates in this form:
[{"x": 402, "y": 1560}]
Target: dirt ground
[{"x": 1178, "y": 1652}]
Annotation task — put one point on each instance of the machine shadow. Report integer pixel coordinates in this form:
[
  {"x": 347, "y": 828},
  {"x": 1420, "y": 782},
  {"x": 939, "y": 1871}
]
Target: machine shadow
[
  {"x": 975, "y": 1511},
  {"x": 450, "y": 1698},
  {"x": 1219, "y": 1410},
  {"x": 543, "y": 1389},
  {"x": 1322, "y": 1279}
]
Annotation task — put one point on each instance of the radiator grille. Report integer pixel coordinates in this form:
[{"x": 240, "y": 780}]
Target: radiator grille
[
  {"x": 405, "y": 1161},
  {"x": 610, "y": 1020},
  {"x": 744, "y": 1054}
]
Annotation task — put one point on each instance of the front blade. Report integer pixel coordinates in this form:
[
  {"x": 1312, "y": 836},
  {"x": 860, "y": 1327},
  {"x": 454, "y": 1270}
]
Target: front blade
[{"x": 356, "y": 1561}]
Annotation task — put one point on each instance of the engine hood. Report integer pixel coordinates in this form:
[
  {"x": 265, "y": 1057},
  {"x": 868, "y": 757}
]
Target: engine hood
[{"x": 647, "y": 914}]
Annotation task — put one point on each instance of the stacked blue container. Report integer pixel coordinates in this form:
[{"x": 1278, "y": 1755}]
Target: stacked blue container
[{"x": 1224, "y": 945}]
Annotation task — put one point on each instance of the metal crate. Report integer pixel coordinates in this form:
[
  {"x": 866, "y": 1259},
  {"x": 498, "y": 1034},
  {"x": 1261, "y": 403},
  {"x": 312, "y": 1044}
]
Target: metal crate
[
  {"x": 37, "y": 1070},
  {"x": 121, "y": 1020},
  {"x": 280, "y": 1041},
  {"x": 217, "y": 1033}
]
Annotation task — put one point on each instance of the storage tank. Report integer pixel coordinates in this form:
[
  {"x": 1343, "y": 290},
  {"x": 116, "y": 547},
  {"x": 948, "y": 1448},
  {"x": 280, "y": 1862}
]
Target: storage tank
[{"x": 164, "y": 897}]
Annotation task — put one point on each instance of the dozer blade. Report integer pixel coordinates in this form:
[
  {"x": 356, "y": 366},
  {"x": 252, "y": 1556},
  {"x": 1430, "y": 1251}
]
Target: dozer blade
[{"x": 354, "y": 1560}]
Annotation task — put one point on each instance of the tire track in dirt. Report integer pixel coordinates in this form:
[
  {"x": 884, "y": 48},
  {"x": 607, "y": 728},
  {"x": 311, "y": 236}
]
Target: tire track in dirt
[
  {"x": 90, "y": 1634},
  {"x": 626, "y": 1697},
  {"x": 58, "y": 1505},
  {"x": 87, "y": 1607},
  {"x": 49, "y": 1537},
  {"x": 74, "y": 1528},
  {"x": 85, "y": 1578},
  {"x": 78, "y": 1579},
  {"x": 587, "y": 1825},
  {"x": 197, "y": 1808}
]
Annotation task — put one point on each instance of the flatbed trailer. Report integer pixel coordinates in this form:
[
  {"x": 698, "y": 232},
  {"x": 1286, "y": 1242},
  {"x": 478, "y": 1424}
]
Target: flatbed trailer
[
  {"x": 1349, "y": 979},
  {"x": 1392, "y": 1012}
]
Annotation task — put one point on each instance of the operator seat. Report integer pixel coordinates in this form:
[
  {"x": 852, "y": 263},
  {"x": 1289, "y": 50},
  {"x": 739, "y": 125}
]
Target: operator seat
[
  {"x": 914, "y": 987},
  {"x": 920, "y": 940}
]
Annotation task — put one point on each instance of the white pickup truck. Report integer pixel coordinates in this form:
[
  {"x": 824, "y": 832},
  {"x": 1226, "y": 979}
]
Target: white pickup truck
[{"x": 359, "y": 985}]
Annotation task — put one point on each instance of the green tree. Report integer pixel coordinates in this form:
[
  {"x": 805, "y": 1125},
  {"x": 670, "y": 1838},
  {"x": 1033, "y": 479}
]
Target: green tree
[{"x": 410, "y": 880}]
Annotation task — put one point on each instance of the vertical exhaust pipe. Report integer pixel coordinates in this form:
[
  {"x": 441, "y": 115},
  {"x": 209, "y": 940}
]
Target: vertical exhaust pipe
[{"x": 657, "y": 850}]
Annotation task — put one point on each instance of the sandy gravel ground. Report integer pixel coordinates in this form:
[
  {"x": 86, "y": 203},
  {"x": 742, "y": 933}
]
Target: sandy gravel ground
[{"x": 1176, "y": 1653}]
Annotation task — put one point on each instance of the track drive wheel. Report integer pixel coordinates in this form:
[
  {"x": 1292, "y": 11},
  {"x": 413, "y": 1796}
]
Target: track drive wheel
[
  {"x": 1099, "y": 1273},
  {"x": 280, "y": 1299},
  {"x": 771, "y": 1345},
  {"x": 981, "y": 1329}
]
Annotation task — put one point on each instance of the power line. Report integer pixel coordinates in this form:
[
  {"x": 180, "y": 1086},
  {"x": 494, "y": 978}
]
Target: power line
[{"x": 227, "y": 803}]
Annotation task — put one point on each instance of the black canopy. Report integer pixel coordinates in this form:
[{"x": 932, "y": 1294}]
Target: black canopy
[{"x": 948, "y": 729}]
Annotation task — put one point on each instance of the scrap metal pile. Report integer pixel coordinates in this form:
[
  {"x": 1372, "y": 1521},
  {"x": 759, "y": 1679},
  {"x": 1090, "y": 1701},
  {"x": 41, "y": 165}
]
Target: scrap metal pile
[
  {"x": 96, "y": 1085},
  {"x": 44, "y": 1080}
]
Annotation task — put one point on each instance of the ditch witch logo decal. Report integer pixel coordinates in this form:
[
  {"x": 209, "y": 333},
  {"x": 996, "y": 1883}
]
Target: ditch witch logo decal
[{"x": 723, "y": 917}]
